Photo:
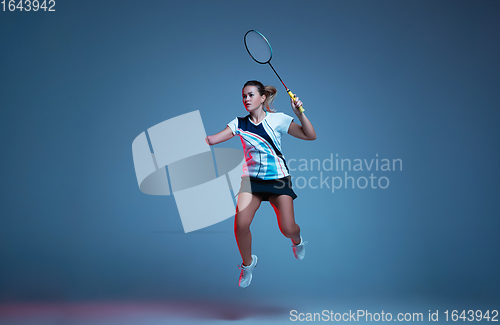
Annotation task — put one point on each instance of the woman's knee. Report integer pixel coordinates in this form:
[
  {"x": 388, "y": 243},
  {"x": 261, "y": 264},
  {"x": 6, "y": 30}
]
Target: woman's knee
[
  {"x": 242, "y": 223},
  {"x": 241, "y": 228}
]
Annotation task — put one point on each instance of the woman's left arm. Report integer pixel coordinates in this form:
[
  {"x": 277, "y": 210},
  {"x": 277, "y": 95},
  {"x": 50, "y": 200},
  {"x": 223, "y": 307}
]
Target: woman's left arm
[{"x": 304, "y": 131}]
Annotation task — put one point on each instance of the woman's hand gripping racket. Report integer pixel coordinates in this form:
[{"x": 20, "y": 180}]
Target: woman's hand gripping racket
[{"x": 260, "y": 50}]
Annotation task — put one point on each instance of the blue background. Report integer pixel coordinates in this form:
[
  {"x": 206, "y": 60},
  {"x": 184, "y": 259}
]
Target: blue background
[{"x": 410, "y": 80}]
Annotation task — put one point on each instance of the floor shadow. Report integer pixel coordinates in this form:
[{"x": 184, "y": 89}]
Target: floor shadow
[
  {"x": 188, "y": 309},
  {"x": 233, "y": 310}
]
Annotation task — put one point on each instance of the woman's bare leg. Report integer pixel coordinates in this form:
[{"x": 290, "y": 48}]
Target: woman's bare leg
[
  {"x": 247, "y": 205},
  {"x": 283, "y": 206}
]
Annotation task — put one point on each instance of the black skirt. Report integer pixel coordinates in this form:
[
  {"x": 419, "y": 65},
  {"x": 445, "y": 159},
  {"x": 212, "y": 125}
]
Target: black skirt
[{"x": 266, "y": 188}]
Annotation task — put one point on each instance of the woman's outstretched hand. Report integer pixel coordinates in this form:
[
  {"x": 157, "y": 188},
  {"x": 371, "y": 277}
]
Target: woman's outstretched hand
[{"x": 222, "y": 136}]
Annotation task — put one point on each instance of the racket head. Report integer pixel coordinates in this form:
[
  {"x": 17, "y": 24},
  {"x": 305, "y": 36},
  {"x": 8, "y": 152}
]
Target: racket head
[{"x": 258, "y": 47}]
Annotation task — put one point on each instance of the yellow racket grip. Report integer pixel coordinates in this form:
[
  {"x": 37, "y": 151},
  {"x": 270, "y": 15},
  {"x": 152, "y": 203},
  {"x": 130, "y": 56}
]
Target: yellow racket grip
[{"x": 301, "y": 108}]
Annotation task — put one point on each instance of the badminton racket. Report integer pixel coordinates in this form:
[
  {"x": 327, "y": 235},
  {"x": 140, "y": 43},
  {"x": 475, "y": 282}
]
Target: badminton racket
[{"x": 260, "y": 50}]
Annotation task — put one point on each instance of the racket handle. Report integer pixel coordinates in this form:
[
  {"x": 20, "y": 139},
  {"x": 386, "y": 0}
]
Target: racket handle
[{"x": 301, "y": 108}]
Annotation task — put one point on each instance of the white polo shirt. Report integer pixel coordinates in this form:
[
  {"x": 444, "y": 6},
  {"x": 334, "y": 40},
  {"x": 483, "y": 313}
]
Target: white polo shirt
[{"x": 262, "y": 144}]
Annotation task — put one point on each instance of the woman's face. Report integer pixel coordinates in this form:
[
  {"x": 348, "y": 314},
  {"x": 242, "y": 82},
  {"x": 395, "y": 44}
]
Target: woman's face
[{"x": 252, "y": 99}]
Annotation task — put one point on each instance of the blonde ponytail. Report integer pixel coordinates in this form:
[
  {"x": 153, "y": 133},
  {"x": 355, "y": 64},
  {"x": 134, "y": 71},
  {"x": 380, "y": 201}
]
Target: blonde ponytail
[{"x": 270, "y": 92}]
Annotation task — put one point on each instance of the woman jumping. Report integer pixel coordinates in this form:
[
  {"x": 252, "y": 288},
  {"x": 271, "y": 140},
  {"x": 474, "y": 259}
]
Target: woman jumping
[{"x": 265, "y": 173}]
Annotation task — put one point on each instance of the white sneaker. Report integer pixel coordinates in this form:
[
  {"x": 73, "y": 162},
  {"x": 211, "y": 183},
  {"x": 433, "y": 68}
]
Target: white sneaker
[
  {"x": 299, "y": 250},
  {"x": 246, "y": 272}
]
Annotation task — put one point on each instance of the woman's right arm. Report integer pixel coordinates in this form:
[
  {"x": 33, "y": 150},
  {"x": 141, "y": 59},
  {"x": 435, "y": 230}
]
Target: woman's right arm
[{"x": 222, "y": 136}]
